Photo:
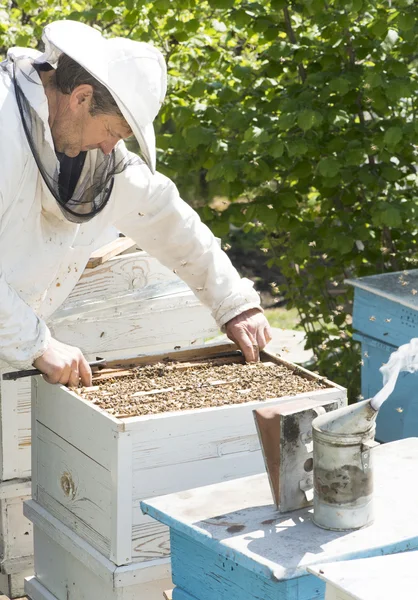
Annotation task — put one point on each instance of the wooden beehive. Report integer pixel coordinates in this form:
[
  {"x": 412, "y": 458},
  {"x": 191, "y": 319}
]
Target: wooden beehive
[
  {"x": 90, "y": 469},
  {"x": 385, "y": 317}
]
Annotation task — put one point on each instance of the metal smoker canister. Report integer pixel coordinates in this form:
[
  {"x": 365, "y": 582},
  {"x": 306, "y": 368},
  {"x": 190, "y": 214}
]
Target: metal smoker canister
[{"x": 343, "y": 472}]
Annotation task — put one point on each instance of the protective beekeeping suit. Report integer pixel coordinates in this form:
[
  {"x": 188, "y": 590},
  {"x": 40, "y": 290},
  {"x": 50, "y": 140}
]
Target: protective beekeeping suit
[{"x": 51, "y": 219}]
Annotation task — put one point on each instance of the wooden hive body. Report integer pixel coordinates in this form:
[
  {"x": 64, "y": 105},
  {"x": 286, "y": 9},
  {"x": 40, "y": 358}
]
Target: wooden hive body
[{"x": 385, "y": 317}]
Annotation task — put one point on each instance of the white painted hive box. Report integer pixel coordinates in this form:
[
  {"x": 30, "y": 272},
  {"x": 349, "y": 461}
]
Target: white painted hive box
[
  {"x": 90, "y": 470},
  {"x": 67, "y": 568}
]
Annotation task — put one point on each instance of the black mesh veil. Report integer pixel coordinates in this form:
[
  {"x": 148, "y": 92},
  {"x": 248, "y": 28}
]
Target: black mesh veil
[{"x": 82, "y": 185}]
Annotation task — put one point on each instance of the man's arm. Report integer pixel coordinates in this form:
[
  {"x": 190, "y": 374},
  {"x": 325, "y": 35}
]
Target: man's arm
[
  {"x": 155, "y": 216},
  {"x": 25, "y": 340}
]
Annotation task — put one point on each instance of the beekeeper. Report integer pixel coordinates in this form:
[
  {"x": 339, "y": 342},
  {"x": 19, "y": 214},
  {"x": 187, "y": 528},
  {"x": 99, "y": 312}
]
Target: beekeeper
[{"x": 66, "y": 177}]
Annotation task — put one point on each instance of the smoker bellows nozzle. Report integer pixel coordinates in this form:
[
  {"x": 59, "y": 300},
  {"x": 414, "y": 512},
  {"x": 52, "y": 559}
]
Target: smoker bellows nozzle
[{"x": 285, "y": 433}]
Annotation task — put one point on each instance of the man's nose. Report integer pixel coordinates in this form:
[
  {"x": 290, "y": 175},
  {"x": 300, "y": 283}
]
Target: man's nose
[{"x": 108, "y": 145}]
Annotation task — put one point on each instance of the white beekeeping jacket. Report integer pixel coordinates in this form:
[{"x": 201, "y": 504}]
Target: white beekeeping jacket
[{"x": 42, "y": 255}]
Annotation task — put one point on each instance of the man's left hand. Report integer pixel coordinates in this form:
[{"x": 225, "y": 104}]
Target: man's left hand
[{"x": 250, "y": 331}]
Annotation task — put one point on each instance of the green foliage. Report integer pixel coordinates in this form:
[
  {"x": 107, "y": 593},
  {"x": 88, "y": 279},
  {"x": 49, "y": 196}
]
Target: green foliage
[{"x": 303, "y": 114}]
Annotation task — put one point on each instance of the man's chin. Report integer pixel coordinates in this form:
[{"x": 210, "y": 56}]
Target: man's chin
[{"x": 72, "y": 153}]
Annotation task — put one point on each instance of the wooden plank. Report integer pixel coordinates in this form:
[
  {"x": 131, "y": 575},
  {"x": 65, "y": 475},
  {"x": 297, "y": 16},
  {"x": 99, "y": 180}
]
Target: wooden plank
[
  {"x": 81, "y": 423},
  {"x": 24, "y": 427},
  {"x": 174, "y": 318},
  {"x": 13, "y": 585},
  {"x": 16, "y": 536},
  {"x": 205, "y": 352},
  {"x": 120, "y": 276},
  {"x": 9, "y": 429},
  {"x": 150, "y": 539},
  {"x": 62, "y": 556},
  {"x": 100, "y": 256},
  {"x": 76, "y": 489},
  {"x": 121, "y": 502}
]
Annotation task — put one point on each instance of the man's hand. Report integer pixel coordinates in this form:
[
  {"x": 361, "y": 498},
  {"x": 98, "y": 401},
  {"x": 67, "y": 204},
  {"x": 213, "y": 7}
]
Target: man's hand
[
  {"x": 250, "y": 331},
  {"x": 64, "y": 364}
]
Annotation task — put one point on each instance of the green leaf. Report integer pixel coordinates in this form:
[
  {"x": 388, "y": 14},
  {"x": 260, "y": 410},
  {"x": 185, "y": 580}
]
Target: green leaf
[
  {"x": 308, "y": 118},
  {"x": 340, "y": 85},
  {"x": 379, "y": 28},
  {"x": 390, "y": 173},
  {"x": 256, "y": 134},
  {"x": 297, "y": 147},
  {"x": 387, "y": 215},
  {"x": 406, "y": 22},
  {"x": 329, "y": 167},
  {"x": 286, "y": 121},
  {"x": 241, "y": 18},
  {"x": 355, "y": 157},
  {"x": 197, "y": 89},
  {"x": 374, "y": 80},
  {"x": 192, "y": 26},
  {"x": 302, "y": 170},
  {"x": 287, "y": 199},
  {"x": 393, "y": 136},
  {"x": 108, "y": 15},
  {"x": 197, "y": 136},
  {"x": 276, "y": 149}
]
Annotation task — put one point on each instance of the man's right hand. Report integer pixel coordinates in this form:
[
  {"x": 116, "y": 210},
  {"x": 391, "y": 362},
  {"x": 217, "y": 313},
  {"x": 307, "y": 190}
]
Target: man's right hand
[{"x": 64, "y": 364}]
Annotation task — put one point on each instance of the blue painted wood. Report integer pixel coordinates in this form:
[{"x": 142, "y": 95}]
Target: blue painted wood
[
  {"x": 385, "y": 315},
  {"x": 383, "y": 319},
  {"x": 179, "y": 594},
  {"x": 207, "y": 575},
  {"x": 398, "y": 417}
]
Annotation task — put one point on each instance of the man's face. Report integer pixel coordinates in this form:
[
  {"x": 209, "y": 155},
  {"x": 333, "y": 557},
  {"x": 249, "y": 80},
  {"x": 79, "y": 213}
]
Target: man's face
[{"x": 75, "y": 130}]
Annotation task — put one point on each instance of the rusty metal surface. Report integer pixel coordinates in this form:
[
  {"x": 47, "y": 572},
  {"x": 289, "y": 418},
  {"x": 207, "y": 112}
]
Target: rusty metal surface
[{"x": 285, "y": 433}]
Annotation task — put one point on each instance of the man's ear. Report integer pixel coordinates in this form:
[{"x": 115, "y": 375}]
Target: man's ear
[{"x": 81, "y": 97}]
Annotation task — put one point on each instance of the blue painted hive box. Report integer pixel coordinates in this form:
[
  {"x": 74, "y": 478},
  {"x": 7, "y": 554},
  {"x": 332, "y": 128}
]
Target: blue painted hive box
[{"x": 385, "y": 317}]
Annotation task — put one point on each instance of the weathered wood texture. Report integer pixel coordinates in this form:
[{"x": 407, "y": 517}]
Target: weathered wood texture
[
  {"x": 13, "y": 585},
  {"x": 229, "y": 542},
  {"x": 90, "y": 470},
  {"x": 70, "y": 569},
  {"x": 139, "y": 326},
  {"x": 108, "y": 251},
  {"x": 16, "y": 535},
  {"x": 15, "y": 426},
  {"x": 131, "y": 305}
]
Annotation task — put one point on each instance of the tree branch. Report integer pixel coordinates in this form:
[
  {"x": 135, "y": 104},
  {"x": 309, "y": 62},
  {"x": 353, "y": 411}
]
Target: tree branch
[{"x": 292, "y": 38}]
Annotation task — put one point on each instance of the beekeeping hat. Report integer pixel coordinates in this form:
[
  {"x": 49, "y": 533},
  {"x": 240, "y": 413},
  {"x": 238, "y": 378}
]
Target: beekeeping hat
[{"x": 134, "y": 73}]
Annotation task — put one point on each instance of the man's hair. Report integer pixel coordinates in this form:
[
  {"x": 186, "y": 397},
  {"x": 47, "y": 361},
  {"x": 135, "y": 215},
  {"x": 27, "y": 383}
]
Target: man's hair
[{"x": 69, "y": 74}]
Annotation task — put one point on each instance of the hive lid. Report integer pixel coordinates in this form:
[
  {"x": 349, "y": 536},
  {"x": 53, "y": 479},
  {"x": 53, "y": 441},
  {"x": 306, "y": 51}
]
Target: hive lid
[{"x": 398, "y": 287}]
